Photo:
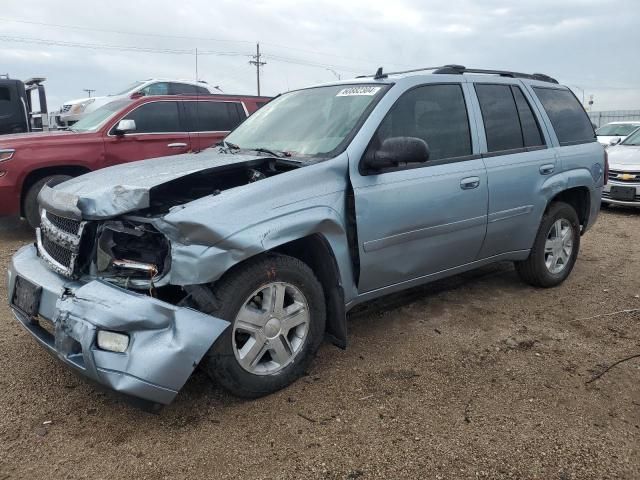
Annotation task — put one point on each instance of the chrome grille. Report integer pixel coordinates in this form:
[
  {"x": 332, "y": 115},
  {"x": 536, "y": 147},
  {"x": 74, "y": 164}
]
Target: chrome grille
[
  {"x": 65, "y": 108},
  {"x": 57, "y": 252},
  {"x": 59, "y": 242},
  {"x": 68, "y": 225}
]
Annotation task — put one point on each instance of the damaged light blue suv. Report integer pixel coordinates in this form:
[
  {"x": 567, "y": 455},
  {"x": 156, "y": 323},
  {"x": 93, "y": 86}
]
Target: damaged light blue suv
[{"x": 241, "y": 258}]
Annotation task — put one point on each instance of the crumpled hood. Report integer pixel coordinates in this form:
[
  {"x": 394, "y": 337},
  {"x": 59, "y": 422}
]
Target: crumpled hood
[
  {"x": 624, "y": 156},
  {"x": 125, "y": 188}
]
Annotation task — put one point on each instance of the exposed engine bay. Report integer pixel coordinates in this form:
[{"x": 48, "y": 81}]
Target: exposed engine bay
[
  {"x": 130, "y": 252},
  {"x": 214, "y": 181}
]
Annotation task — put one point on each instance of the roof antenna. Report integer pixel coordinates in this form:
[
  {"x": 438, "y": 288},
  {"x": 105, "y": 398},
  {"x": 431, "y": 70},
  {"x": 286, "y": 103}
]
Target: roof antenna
[{"x": 379, "y": 74}]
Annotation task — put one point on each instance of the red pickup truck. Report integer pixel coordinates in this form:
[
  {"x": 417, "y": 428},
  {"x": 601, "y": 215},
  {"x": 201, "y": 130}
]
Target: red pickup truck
[{"x": 121, "y": 131}]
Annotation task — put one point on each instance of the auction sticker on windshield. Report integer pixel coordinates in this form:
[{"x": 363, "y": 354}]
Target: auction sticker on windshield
[{"x": 352, "y": 91}]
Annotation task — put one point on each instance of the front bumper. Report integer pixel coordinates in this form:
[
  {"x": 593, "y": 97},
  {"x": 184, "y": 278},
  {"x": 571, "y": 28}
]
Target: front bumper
[
  {"x": 166, "y": 342},
  {"x": 606, "y": 198}
]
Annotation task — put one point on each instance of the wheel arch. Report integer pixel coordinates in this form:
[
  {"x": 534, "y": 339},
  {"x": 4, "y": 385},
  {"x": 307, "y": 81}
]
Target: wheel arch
[
  {"x": 316, "y": 252},
  {"x": 579, "y": 198}
]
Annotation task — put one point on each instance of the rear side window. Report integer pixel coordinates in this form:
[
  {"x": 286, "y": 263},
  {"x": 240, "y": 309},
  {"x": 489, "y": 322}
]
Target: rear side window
[
  {"x": 156, "y": 117},
  {"x": 5, "y": 94},
  {"x": 500, "y": 116},
  {"x": 435, "y": 113},
  {"x": 214, "y": 116},
  {"x": 569, "y": 120},
  {"x": 509, "y": 122}
]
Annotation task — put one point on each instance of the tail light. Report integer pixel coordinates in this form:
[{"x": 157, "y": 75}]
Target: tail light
[{"x": 606, "y": 167}]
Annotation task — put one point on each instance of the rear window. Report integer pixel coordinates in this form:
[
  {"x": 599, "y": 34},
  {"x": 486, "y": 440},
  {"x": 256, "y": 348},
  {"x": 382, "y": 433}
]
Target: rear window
[
  {"x": 569, "y": 120},
  {"x": 5, "y": 101},
  {"x": 5, "y": 94}
]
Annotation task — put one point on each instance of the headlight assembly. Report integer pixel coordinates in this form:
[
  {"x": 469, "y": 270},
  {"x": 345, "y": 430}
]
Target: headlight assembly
[{"x": 131, "y": 251}]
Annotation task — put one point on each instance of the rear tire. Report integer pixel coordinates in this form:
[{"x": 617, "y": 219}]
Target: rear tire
[
  {"x": 252, "y": 361},
  {"x": 555, "y": 248},
  {"x": 30, "y": 207}
]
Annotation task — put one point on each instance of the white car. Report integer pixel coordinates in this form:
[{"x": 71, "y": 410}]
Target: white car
[
  {"x": 74, "y": 110},
  {"x": 623, "y": 187},
  {"x": 615, "y": 130}
]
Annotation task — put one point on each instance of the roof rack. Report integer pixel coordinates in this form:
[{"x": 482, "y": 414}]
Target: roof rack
[{"x": 461, "y": 69}]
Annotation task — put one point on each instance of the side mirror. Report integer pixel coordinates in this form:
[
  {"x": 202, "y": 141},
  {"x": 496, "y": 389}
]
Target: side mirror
[
  {"x": 397, "y": 151},
  {"x": 125, "y": 126},
  {"x": 615, "y": 141}
]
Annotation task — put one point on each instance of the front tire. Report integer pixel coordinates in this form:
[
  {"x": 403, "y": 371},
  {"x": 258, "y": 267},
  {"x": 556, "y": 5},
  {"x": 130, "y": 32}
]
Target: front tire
[
  {"x": 555, "y": 248},
  {"x": 277, "y": 312},
  {"x": 30, "y": 206}
]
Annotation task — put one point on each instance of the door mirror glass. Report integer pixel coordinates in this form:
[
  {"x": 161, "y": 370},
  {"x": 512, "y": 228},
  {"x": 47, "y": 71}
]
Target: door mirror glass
[
  {"x": 396, "y": 151},
  {"x": 125, "y": 126},
  {"x": 615, "y": 141}
]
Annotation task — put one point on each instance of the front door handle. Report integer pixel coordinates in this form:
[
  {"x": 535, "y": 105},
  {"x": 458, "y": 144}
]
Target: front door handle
[
  {"x": 177, "y": 145},
  {"x": 469, "y": 183},
  {"x": 547, "y": 169}
]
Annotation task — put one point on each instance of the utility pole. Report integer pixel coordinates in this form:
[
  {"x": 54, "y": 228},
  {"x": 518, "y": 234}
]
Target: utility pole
[
  {"x": 89, "y": 90},
  {"x": 256, "y": 61}
]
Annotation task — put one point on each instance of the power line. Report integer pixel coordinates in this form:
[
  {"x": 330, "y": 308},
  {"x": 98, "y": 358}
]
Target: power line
[
  {"x": 139, "y": 49},
  {"x": 189, "y": 37},
  {"x": 101, "y": 46},
  {"x": 121, "y": 32}
]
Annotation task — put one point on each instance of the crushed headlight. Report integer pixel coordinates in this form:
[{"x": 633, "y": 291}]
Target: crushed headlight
[
  {"x": 113, "y": 341},
  {"x": 131, "y": 251}
]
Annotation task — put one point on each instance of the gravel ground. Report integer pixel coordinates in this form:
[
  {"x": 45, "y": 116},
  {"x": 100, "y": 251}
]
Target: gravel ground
[{"x": 478, "y": 376}]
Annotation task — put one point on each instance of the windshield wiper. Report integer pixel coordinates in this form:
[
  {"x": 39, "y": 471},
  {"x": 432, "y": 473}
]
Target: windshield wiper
[
  {"x": 275, "y": 153},
  {"x": 229, "y": 145}
]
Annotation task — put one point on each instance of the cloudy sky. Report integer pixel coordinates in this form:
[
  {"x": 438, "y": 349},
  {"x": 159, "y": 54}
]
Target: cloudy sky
[{"x": 591, "y": 45}]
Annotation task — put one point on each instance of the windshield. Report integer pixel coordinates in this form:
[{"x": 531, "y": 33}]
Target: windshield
[
  {"x": 632, "y": 139},
  {"x": 130, "y": 87},
  {"x": 314, "y": 121},
  {"x": 616, "y": 129},
  {"x": 94, "y": 120}
]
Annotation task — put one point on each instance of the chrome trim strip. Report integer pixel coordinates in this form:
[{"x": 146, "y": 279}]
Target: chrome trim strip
[
  {"x": 510, "y": 213},
  {"x": 373, "y": 245}
]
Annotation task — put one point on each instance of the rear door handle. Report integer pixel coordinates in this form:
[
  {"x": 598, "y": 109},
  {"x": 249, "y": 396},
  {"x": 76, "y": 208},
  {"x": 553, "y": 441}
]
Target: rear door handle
[
  {"x": 469, "y": 183},
  {"x": 177, "y": 145},
  {"x": 547, "y": 168}
]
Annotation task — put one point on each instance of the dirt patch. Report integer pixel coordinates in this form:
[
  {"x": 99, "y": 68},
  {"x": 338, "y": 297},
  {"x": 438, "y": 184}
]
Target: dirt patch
[{"x": 477, "y": 376}]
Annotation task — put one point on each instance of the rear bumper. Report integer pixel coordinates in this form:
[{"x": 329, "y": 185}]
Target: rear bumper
[{"x": 166, "y": 342}]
